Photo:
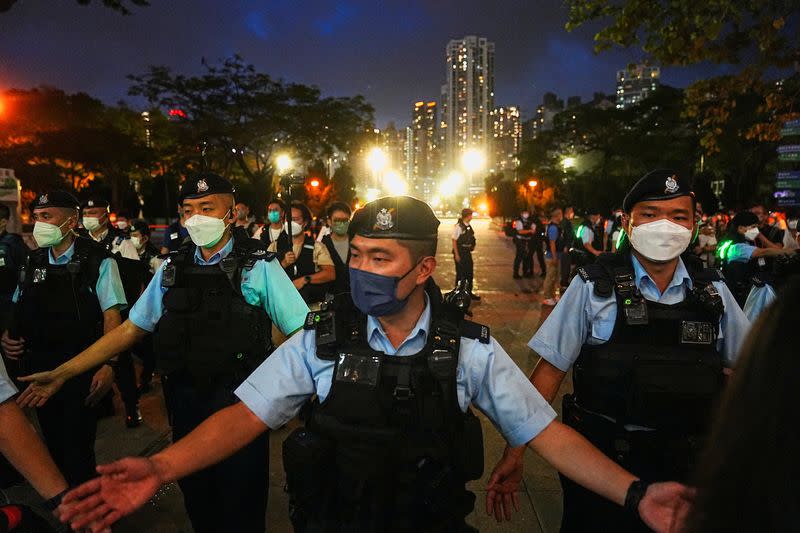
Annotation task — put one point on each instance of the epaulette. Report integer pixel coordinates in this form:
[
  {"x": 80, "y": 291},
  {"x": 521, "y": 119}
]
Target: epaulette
[
  {"x": 708, "y": 275},
  {"x": 473, "y": 330},
  {"x": 252, "y": 250},
  {"x": 603, "y": 284}
]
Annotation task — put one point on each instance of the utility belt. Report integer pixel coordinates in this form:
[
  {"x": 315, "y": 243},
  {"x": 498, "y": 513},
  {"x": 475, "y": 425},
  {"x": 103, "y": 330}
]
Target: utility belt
[
  {"x": 466, "y": 247},
  {"x": 666, "y": 455},
  {"x": 580, "y": 257},
  {"x": 208, "y": 376}
]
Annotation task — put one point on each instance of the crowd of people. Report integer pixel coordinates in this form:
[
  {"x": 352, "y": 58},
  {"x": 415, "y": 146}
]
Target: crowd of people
[{"x": 383, "y": 370}]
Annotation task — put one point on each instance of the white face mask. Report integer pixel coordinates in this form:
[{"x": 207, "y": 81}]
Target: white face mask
[
  {"x": 751, "y": 234},
  {"x": 792, "y": 224},
  {"x": 206, "y": 231},
  {"x": 137, "y": 242},
  {"x": 91, "y": 223},
  {"x": 660, "y": 241},
  {"x": 122, "y": 225},
  {"x": 297, "y": 229},
  {"x": 46, "y": 234}
]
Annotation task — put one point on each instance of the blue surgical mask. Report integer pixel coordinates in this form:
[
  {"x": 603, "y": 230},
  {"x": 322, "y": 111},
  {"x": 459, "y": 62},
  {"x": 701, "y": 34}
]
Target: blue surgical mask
[
  {"x": 376, "y": 294},
  {"x": 274, "y": 216}
]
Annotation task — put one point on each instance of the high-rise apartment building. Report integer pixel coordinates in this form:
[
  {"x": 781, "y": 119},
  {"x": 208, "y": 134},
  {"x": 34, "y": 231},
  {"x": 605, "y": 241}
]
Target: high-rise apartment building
[
  {"x": 506, "y": 137},
  {"x": 635, "y": 84},
  {"x": 468, "y": 99},
  {"x": 425, "y": 142}
]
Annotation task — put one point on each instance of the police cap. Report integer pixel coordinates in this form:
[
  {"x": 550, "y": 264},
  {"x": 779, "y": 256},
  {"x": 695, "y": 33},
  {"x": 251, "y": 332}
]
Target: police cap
[
  {"x": 395, "y": 217},
  {"x": 141, "y": 226},
  {"x": 662, "y": 184},
  {"x": 204, "y": 184},
  {"x": 55, "y": 199},
  {"x": 743, "y": 218},
  {"x": 95, "y": 201}
]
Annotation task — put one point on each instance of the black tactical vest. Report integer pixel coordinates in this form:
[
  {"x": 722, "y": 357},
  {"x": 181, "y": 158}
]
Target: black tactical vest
[
  {"x": 400, "y": 448},
  {"x": 781, "y": 269},
  {"x": 58, "y": 313},
  {"x": 130, "y": 270},
  {"x": 304, "y": 265},
  {"x": 660, "y": 368},
  {"x": 12, "y": 257},
  {"x": 597, "y": 241},
  {"x": 466, "y": 241},
  {"x": 208, "y": 329},
  {"x": 342, "y": 283},
  {"x": 526, "y": 225}
]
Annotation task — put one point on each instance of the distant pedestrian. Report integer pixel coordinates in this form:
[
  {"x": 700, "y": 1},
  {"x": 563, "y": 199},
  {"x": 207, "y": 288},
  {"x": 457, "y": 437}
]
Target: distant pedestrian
[
  {"x": 463, "y": 245},
  {"x": 555, "y": 245},
  {"x": 523, "y": 233}
]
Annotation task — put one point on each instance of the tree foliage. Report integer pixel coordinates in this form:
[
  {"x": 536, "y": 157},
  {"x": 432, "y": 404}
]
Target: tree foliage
[{"x": 247, "y": 117}]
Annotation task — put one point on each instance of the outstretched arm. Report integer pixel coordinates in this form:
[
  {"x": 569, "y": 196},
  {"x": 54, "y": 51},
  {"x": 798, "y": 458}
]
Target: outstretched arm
[
  {"x": 45, "y": 384},
  {"x": 20, "y": 444},
  {"x": 126, "y": 485}
]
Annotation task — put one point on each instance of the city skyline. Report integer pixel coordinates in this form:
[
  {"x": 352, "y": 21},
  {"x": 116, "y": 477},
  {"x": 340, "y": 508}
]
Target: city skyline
[{"x": 392, "y": 54}]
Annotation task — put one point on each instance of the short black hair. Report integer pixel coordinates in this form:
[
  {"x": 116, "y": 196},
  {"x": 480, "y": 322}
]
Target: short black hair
[
  {"x": 419, "y": 249},
  {"x": 303, "y": 209},
  {"x": 339, "y": 206},
  {"x": 277, "y": 201},
  {"x": 466, "y": 212},
  {"x": 141, "y": 226},
  {"x": 5, "y": 212}
]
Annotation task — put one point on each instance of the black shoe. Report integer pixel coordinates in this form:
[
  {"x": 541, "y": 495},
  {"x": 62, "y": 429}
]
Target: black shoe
[
  {"x": 517, "y": 276},
  {"x": 475, "y": 297},
  {"x": 134, "y": 418}
]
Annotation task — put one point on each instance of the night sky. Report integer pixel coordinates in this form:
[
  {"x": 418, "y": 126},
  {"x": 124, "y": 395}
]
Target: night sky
[{"x": 392, "y": 52}]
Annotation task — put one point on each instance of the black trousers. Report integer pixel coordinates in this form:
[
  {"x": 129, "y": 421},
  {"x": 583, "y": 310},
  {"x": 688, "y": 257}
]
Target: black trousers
[
  {"x": 231, "y": 496},
  {"x": 125, "y": 378},
  {"x": 523, "y": 256},
  {"x": 566, "y": 268},
  {"x": 464, "y": 268},
  {"x": 69, "y": 428},
  {"x": 650, "y": 455},
  {"x": 144, "y": 351},
  {"x": 537, "y": 246}
]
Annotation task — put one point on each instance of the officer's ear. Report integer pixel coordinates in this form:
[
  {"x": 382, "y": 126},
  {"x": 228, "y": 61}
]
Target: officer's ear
[{"x": 427, "y": 266}]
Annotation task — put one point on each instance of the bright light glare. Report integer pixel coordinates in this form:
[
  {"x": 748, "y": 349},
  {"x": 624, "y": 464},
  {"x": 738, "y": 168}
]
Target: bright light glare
[
  {"x": 394, "y": 184},
  {"x": 373, "y": 194},
  {"x": 483, "y": 208},
  {"x": 451, "y": 184},
  {"x": 315, "y": 182},
  {"x": 284, "y": 163},
  {"x": 473, "y": 160},
  {"x": 533, "y": 183},
  {"x": 377, "y": 160},
  {"x": 568, "y": 162},
  {"x": 436, "y": 202}
]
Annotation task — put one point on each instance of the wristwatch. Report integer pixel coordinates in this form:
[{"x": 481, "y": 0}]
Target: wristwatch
[{"x": 308, "y": 279}]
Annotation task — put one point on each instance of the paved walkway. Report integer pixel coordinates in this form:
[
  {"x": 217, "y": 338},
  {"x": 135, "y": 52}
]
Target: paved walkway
[{"x": 511, "y": 309}]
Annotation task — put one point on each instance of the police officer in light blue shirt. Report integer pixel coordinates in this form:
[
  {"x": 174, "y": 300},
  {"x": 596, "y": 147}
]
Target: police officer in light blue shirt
[
  {"x": 210, "y": 307},
  {"x": 393, "y": 249},
  {"x": 69, "y": 294},
  {"x": 648, "y": 333}
]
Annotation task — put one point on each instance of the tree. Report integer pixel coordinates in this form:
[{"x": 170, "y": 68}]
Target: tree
[
  {"x": 759, "y": 35},
  {"x": 246, "y": 117},
  {"x": 117, "y": 5}
]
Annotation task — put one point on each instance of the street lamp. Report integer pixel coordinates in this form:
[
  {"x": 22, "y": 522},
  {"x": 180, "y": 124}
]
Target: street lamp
[
  {"x": 472, "y": 161},
  {"x": 533, "y": 183},
  {"x": 284, "y": 163},
  {"x": 568, "y": 163},
  {"x": 394, "y": 184},
  {"x": 377, "y": 160}
]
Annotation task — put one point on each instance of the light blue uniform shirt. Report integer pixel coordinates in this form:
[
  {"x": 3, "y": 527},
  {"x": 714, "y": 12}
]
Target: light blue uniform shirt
[
  {"x": 740, "y": 252},
  {"x": 486, "y": 377},
  {"x": 108, "y": 288},
  {"x": 758, "y": 299},
  {"x": 582, "y": 317},
  {"x": 7, "y": 388},
  {"x": 266, "y": 285}
]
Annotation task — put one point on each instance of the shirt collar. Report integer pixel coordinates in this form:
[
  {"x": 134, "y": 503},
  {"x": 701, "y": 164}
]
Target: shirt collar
[
  {"x": 100, "y": 237},
  {"x": 217, "y": 257},
  {"x": 680, "y": 277},
  {"x": 64, "y": 258},
  {"x": 374, "y": 328}
]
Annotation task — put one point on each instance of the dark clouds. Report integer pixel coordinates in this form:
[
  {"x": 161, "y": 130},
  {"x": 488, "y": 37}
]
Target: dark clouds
[{"x": 390, "y": 51}]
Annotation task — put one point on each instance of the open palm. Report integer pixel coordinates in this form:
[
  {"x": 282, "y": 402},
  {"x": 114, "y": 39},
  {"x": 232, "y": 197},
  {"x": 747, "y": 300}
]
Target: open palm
[
  {"x": 663, "y": 504},
  {"x": 123, "y": 487},
  {"x": 43, "y": 386}
]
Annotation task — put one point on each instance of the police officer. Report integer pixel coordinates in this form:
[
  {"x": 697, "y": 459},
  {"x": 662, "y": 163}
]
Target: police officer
[
  {"x": 390, "y": 440},
  {"x": 766, "y": 284},
  {"x": 338, "y": 244},
  {"x": 463, "y": 245},
  {"x": 524, "y": 229},
  {"x": 69, "y": 294},
  {"x": 116, "y": 240},
  {"x": 588, "y": 243},
  {"x": 210, "y": 307},
  {"x": 13, "y": 253},
  {"x": 741, "y": 256},
  {"x": 647, "y": 332}
]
